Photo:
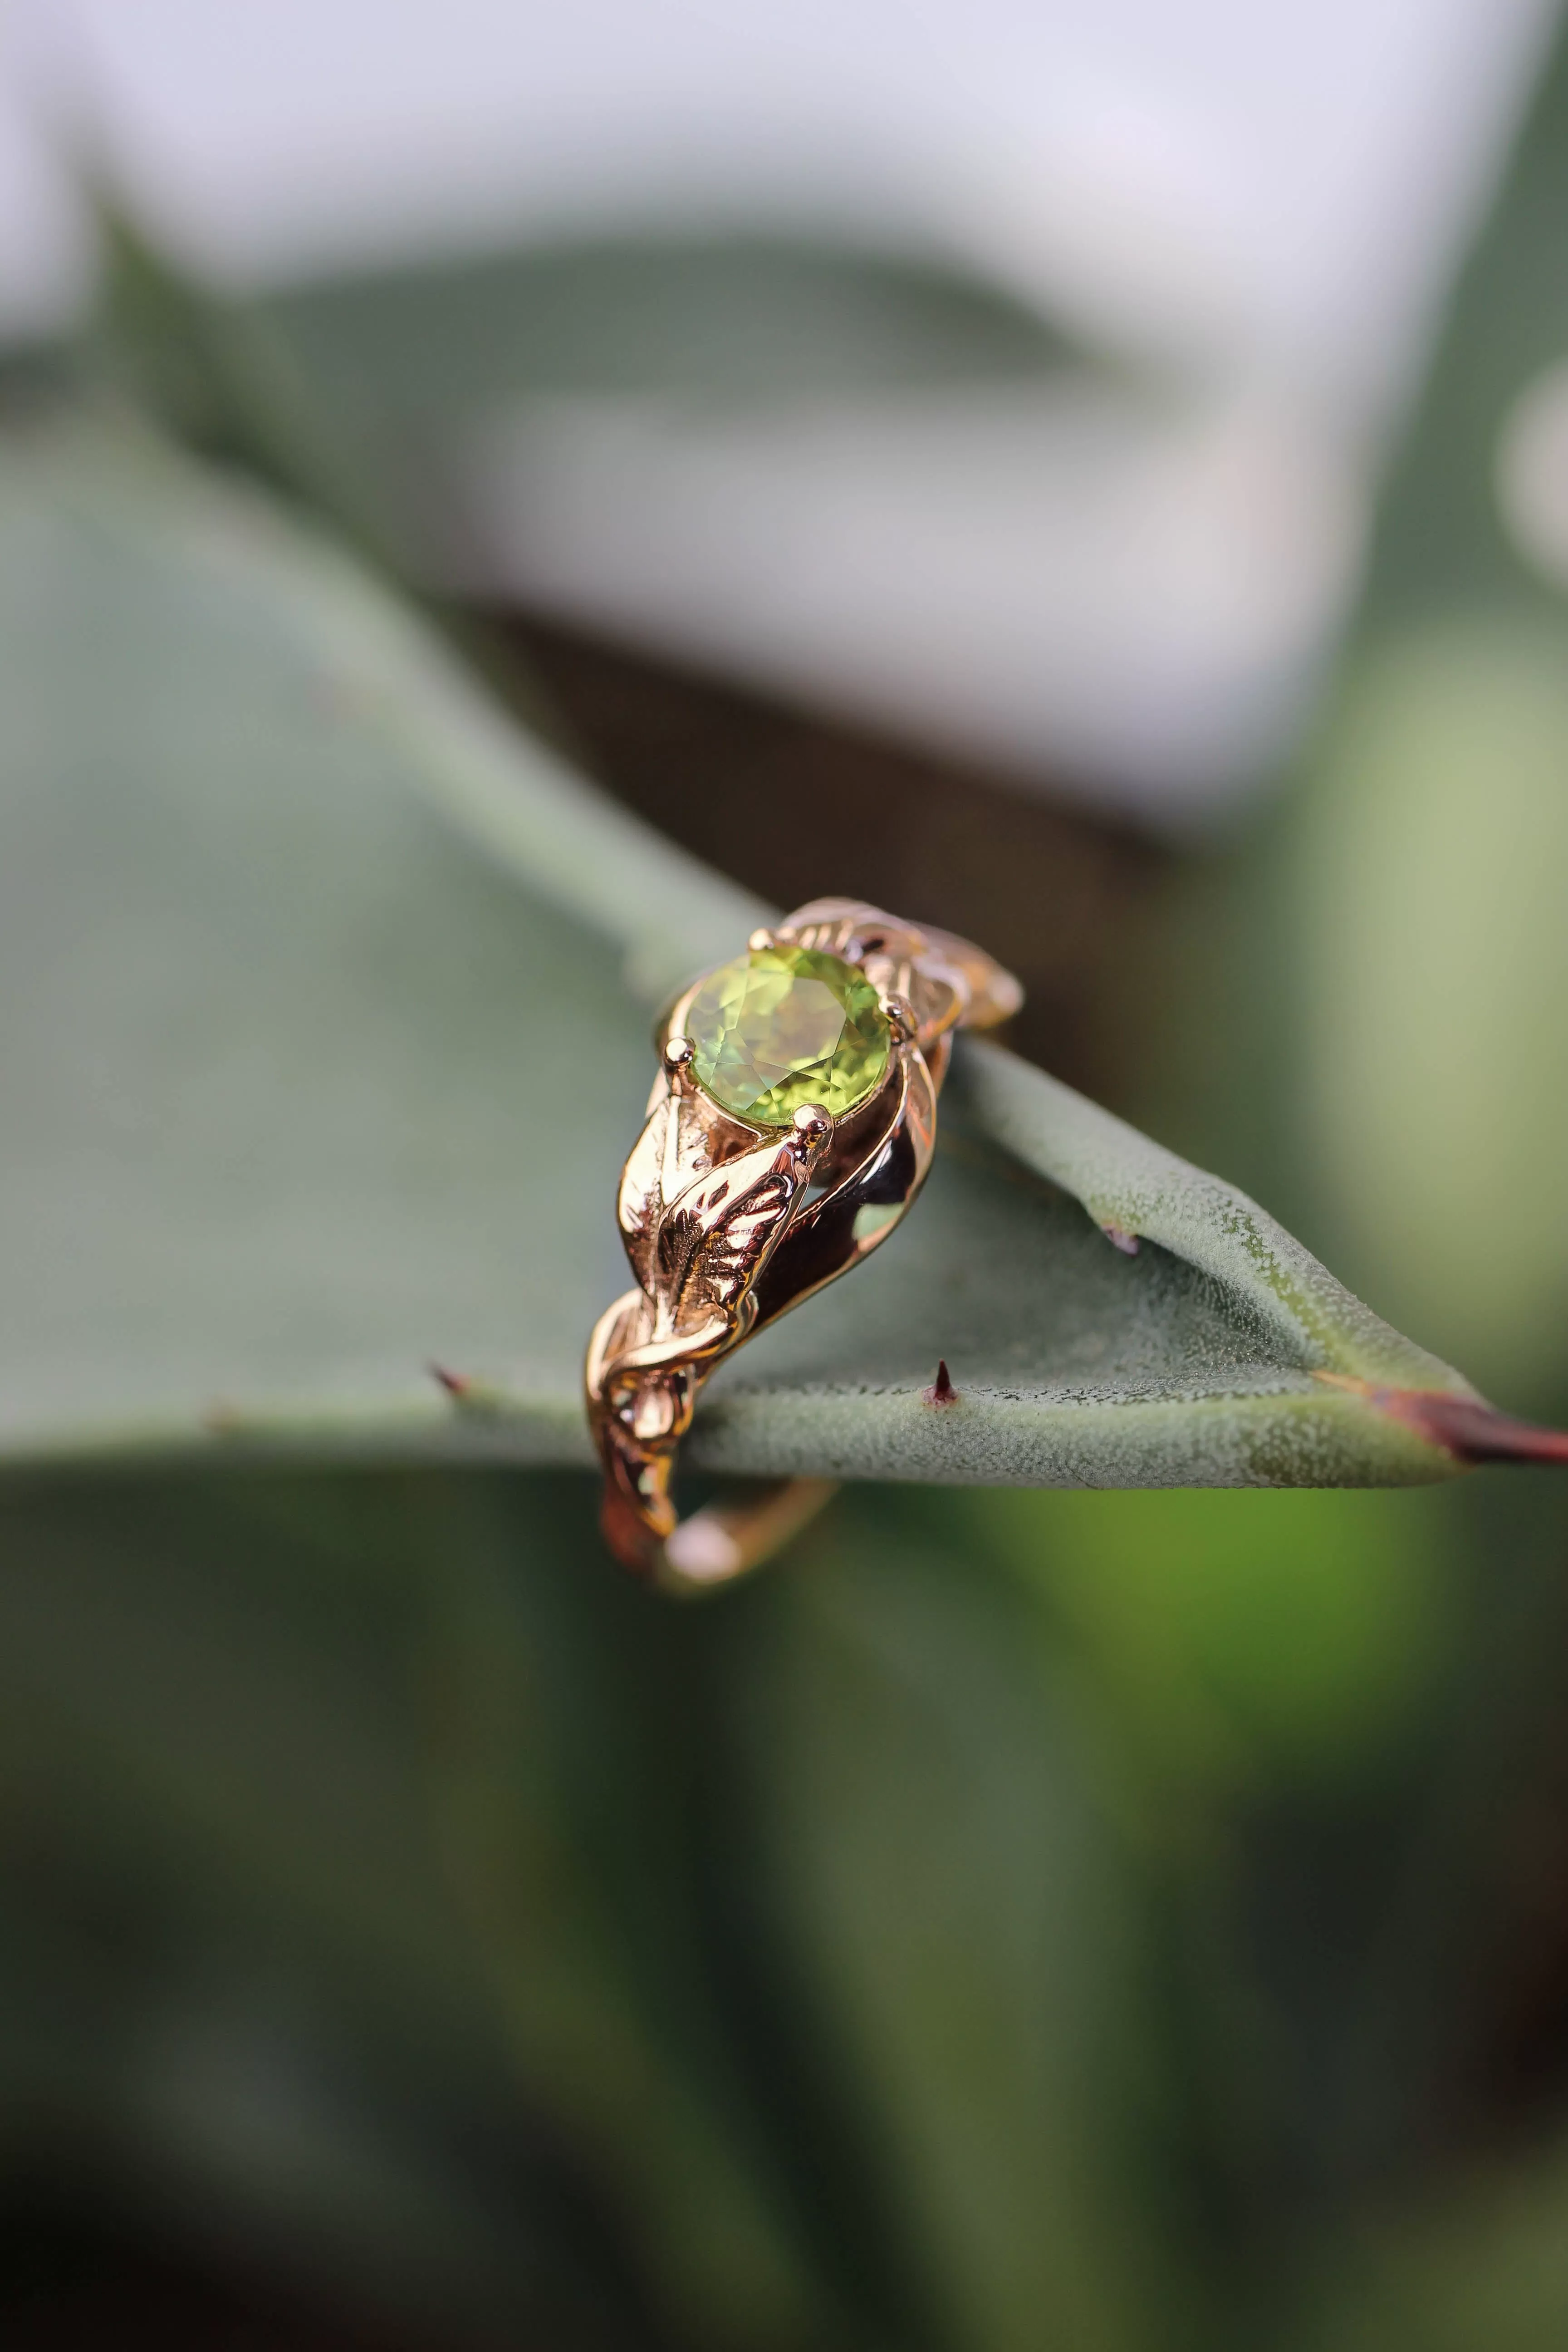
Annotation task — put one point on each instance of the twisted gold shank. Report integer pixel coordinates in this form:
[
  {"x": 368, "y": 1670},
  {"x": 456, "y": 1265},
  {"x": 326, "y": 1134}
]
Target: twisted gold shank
[{"x": 728, "y": 1226}]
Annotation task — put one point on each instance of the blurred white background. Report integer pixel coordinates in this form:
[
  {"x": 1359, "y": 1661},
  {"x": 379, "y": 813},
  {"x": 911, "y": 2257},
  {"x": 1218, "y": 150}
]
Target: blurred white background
[{"x": 1261, "y": 204}]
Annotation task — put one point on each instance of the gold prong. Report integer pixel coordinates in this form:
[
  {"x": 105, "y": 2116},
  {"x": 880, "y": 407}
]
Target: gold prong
[
  {"x": 812, "y": 1124},
  {"x": 678, "y": 1053},
  {"x": 762, "y": 938},
  {"x": 900, "y": 1015}
]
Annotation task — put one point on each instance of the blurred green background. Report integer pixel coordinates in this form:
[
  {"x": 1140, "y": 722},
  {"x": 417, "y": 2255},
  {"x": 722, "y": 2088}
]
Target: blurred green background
[{"x": 1017, "y": 1920}]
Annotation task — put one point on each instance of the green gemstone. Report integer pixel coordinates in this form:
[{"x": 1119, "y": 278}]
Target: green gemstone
[{"x": 783, "y": 1027}]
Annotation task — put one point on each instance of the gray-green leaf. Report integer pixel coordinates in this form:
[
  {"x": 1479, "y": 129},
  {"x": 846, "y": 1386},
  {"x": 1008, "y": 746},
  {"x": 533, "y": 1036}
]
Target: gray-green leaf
[{"x": 323, "y": 997}]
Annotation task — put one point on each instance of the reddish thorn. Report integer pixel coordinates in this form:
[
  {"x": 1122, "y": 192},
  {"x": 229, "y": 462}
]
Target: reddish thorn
[
  {"x": 1466, "y": 1427},
  {"x": 1119, "y": 1238},
  {"x": 941, "y": 1391},
  {"x": 453, "y": 1382}
]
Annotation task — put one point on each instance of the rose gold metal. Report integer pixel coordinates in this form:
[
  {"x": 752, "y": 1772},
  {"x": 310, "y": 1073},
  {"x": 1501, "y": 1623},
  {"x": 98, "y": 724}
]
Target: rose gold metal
[
  {"x": 728, "y": 1225},
  {"x": 900, "y": 1018}
]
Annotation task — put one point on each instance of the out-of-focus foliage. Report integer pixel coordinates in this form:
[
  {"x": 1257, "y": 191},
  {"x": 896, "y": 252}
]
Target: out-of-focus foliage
[
  {"x": 1245, "y": 1645},
  {"x": 1433, "y": 882},
  {"x": 350, "y": 1881},
  {"x": 1429, "y": 859},
  {"x": 358, "y": 393},
  {"x": 1426, "y": 870}
]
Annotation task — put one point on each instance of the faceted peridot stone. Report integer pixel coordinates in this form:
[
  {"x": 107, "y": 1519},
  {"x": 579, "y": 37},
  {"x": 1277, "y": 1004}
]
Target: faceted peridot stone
[{"x": 783, "y": 1027}]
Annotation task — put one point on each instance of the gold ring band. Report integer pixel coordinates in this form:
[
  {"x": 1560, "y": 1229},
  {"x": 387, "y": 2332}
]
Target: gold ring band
[{"x": 790, "y": 1126}]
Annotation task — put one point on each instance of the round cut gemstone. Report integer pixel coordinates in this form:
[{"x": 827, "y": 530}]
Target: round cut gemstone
[{"x": 783, "y": 1027}]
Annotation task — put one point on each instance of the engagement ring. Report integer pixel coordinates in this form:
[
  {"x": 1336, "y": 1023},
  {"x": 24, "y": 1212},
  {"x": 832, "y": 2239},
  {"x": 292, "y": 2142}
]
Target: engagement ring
[{"x": 791, "y": 1125}]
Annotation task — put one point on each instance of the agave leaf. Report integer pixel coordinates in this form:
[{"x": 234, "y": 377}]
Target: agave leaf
[
  {"x": 356, "y": 392},
  {"x": 323, "y": 996}
]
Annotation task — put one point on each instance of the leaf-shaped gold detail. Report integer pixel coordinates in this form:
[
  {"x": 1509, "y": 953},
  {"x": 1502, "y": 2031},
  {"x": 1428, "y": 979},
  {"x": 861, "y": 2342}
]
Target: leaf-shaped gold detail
[{"x": 713, "y": 1241}]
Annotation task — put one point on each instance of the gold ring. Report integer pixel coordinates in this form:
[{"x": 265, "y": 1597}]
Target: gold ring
[{"x": 791, "y": 1125}]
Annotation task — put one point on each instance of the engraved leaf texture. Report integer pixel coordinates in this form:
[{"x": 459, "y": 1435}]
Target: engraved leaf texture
[
  {"x": 718, "y": 1232},
  {"x": 324, "y": 995},
  {"x": 670, "y": 1152}
]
